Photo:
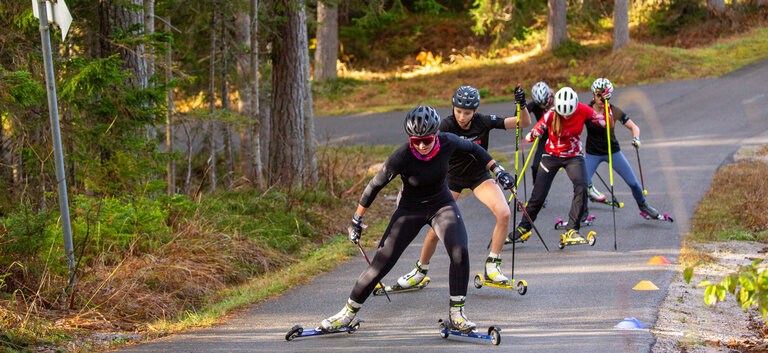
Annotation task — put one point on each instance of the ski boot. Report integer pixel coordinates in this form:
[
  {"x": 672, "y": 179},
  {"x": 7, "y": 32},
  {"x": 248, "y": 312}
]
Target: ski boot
[
  {"x": 519, "y": 235},
  {"x": 594, "y": 194},
  {"x": 414, "y": 280},
  {"x": 572, "y": 237},
  {"x": 651, "y": 213},
  {"x": 586, "y": 222},
  {"x": 457, "y": 319},
  {"x": 494, "y": 278},
  {"x": 343, "y": 320}
]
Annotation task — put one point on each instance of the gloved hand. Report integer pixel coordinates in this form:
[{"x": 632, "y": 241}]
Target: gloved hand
[
  {"x": 533, "y": 134},
  {"x": 502, "y": 177},
  {"x": 355, "y": 228},
  {"x": 636, "y": 142},
  {"x": 520, "y": 96}
]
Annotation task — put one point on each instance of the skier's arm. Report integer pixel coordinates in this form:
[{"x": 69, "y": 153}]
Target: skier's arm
[
  {"x": 633, "y": 127},
  {"x": 382, "y": 178},
  {"x": 525, "y": 119}
]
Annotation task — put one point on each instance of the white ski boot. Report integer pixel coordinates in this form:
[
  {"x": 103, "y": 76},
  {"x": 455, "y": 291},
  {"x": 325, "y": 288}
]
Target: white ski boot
[
  {"x": 595, "y": 194},
  {"x": 458, "y": 320},
  {"x": 342, "y": 319},
  {"x": 493, "y": 271},
  {"x": 414, "y": 277}
]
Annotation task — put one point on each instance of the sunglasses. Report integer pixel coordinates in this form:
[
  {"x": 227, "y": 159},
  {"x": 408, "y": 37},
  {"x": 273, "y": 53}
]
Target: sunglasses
[{"x": 426, "y": 140}]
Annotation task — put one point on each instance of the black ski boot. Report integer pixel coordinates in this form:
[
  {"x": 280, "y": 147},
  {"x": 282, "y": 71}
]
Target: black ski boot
[{"x": 648, "y": 211}]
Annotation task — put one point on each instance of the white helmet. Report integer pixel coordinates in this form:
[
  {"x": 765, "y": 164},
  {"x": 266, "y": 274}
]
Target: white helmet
[
  {"x": 541, "y": 93},
  {"x": 604, "y": 87},
  {"x": 566, "y": 101}
]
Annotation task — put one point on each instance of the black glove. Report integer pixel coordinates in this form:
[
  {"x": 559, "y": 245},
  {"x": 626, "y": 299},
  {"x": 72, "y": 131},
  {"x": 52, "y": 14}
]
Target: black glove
[
  {"x": 520, "y": 96},
  {"x": 355, "y": 228},
  {"x": 502, "y": 177}
]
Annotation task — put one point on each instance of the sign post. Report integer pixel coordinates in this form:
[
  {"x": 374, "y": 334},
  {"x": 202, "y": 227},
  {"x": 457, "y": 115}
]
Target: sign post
[{"x": 58, "y": 15}]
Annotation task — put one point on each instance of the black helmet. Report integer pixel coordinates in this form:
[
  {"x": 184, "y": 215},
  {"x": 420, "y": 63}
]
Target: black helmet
[
  {"x": 422, "y": 121},
  {"x": 466, "y": 97}
]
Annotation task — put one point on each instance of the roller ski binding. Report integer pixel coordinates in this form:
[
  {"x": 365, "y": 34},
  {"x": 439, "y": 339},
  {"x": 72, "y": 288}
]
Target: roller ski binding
[
  {"x": 661, "y": 217},
  {"x": 398, "y": 288},
  {"x": 519, "y": 235},
  {"x": 414, "y": 280},
  {"x": 596, "y": 196},
  {"x": 572, "y": 237},
  {"x": 497, "y": 279},
  {"x": 650, "y": 213},
  {"x": 298, "y": 331},
  {"x": 521, "y": 287},
  {"x": 560, "y": 223},
  {"x": 494, "y": 333}
]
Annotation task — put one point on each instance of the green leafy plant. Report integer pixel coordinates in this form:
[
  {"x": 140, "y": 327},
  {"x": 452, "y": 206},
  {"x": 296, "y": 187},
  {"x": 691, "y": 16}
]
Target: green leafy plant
[
  {"x": 429, "y": 7},
  {"x": 749, "y": 285}
]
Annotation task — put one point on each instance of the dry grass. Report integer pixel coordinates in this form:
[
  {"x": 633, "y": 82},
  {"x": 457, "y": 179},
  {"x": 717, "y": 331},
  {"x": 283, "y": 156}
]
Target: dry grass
[{"x": 736, "y": 205}]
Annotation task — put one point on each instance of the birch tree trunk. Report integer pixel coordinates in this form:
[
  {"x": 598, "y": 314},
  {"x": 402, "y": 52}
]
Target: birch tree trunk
[
  {"x": 620, "y": 24},
  {"x": 327, "y": 48},
  {"x": 242, "y": 55},
  {"x": 557, "y": 31},
  {"x": 716, "y": 6},
  {"x": 310, "y": 164},
  {"x": 255, "y": 132}
]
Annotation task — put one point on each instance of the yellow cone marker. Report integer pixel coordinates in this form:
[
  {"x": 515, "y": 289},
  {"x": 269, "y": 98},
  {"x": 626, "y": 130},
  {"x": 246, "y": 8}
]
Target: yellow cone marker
[
  {"x": 659, "y": 260},
  {"x": 645, "y": 285}
]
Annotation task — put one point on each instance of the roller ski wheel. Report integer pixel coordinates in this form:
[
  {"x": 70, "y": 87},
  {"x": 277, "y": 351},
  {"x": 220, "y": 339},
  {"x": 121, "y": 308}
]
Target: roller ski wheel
[
  {"x": 561, "y": 224},
  {"x": 662, "y": 217},
  {"x": 397, "y": 288},
  {"x": 494, "y": 333},
  {"x": 298, "y": 331},
  {"x": 610, "y": 203},
  {"x": 566, "y": 240},
  {"x": 521, "y": 286}
]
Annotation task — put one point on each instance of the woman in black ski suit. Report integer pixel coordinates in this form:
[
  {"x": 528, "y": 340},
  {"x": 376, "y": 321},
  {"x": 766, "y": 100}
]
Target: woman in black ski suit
[{"x": 422, "y": 164}]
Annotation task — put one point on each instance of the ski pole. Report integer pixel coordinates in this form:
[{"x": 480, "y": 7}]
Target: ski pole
[
  {"x": 637, "y": 151},
  {"x": 383, "y": 288},
  {"x": 525, "y": 213},
  {"x": 530, "y": 154},
  {"x": 522, "y": 173},
  {"x": 610, "y": 168},
  {"x": 613, "y": 198},
  {"x": 517, "y": 159}
]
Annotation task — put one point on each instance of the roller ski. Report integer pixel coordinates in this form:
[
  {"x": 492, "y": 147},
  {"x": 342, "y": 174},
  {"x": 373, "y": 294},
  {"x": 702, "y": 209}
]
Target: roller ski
[
  {"x": 560, "y": 223},
  {"x": 414, "y": 280},
  {"x": 572, "y": 237},
  {"x": 494, "y": 333},
  {"x": 596, "y": 196},
  {"x": 650, "y": 213},
  {"x": 458, "y": 324},
  {"x": 494, "y": 278},
  {"x": 298, "y": 331}
]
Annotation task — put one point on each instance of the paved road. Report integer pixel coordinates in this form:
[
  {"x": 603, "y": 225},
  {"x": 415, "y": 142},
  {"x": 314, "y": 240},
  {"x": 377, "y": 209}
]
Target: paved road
[{"x": 575, "y": 295}]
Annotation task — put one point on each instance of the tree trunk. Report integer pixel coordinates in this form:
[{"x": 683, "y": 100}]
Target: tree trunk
[
  {"x": 255, "y": 132},
  {"x": 762, "y": 3},
  {"x": 242, "y": 57},
  {"x": 310, "y": 165},
  {"x": 327, "y": 48},
  {"x": 286, "y": 157},
  {"x": 716, "y": 6},
  {"x": 620, "y": 24},
  {"x": 149, "y": 29},
  {"x": 171, "y": 172},
  {"x": 134, "y": 58},
  {"x": 557, "y": 31},
  {"x": 227, "y": 132},
  {"x": 212, "y": 122}
]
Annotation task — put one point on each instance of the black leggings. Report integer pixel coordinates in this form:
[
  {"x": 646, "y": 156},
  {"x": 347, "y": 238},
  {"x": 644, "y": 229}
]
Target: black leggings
[
  {"x": 537, "y": 156},
  {"x": 403, "y": 227},
  {"x": 577, "y": 172}
]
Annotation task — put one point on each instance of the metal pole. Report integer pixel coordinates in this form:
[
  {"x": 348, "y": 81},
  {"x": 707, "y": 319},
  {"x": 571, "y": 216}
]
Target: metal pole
[{"x": 53, "y": 111}]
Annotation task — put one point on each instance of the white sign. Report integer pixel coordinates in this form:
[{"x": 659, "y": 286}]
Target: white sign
[{"x": 59, "y": 14}]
